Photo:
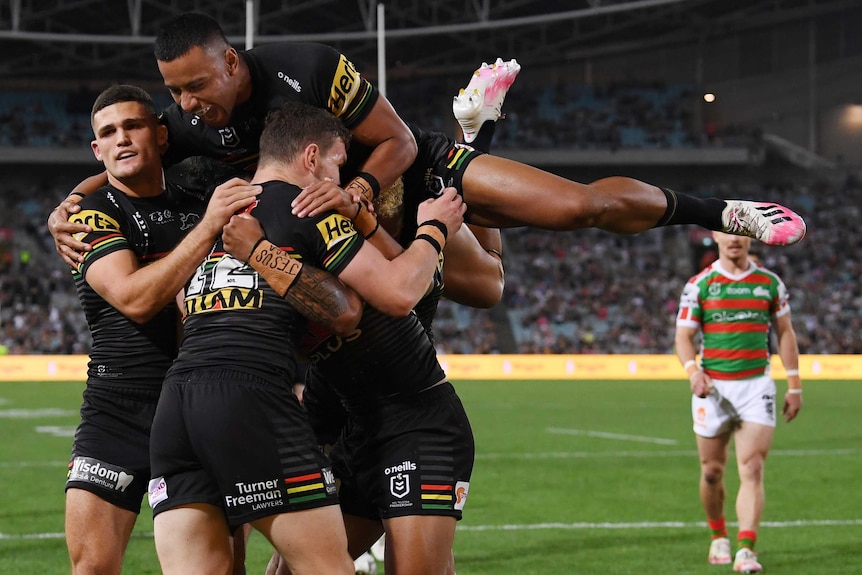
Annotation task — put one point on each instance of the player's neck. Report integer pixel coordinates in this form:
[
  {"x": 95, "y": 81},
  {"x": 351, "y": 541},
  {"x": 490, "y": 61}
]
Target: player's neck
[
  {"x": 735, "y": 266},
  {"x": 141, "y": 185},
  {"x": 282, "y": 173},
  {"x": 244, "y": 84}
]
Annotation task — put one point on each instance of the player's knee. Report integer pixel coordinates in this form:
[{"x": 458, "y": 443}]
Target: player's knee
[
  {"x": 89, "y": 563},
  {"x": 752, "y": 470},
  {"x": 713, "y": 473}
]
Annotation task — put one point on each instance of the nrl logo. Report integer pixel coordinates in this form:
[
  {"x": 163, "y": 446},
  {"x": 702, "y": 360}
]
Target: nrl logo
[
  {"x": 229, "y": 139},
  {"x": 399, "y": 485}
]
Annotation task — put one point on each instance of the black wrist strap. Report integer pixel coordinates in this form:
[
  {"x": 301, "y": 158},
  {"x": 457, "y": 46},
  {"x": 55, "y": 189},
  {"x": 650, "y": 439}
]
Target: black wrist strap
[
  {"x": 437, "y": 224},
  {"x": 372, "y": 181},
  {"x": 431, "y": 240}
]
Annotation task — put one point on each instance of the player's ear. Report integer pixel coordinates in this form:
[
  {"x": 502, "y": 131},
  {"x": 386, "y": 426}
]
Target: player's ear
[
  {"x": 162, "y": 138},
  {"x": 311, "y": 157},
  {"x": 231, "y": 59},
  {"x": 94, "y": 145}
]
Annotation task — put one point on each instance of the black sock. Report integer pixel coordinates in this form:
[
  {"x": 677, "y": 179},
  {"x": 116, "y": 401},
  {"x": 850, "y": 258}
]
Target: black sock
[
  {"x": 684, "y": 209},
  {"x": 484, "y": 136}
]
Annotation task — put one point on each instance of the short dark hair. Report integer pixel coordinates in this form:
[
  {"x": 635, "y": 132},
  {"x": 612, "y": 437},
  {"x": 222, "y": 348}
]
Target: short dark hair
[
  {"x": 294, "y": 126},
  {"x": 179, "y": 35},
  {"x": 122, "y": 93}
]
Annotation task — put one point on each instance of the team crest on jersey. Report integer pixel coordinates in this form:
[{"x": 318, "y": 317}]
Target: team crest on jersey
[
  {"x": 335, "y": 229},
  {"x": 188, "y": 220},
  {"x": 99, "y": 221},
  {"x": 761, "y": 292},
  {"x": 229, "y": 139}
]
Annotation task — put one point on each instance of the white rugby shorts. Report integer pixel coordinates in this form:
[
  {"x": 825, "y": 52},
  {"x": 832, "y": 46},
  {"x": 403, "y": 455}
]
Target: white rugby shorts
[{"x": 732, "y": 402}]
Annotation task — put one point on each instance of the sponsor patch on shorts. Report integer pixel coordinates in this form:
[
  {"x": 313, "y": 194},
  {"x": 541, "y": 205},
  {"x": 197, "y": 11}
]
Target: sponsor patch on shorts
[
  {"x": 157, "y": 491},
  {"x": 105, "y": 475},
  {"x": 462, "y": 488}
]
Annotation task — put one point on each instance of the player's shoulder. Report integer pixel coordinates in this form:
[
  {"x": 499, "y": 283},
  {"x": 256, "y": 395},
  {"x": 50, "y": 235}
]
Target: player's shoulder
[
  {"x": 105, "y": 197},
  {"x": 102, "y": 210},
  {"x": 702, "y": 275},
  {"x": 294, "y": 56}
]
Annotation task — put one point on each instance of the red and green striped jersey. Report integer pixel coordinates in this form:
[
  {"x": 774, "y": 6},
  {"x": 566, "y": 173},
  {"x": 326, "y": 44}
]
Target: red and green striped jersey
[{"x": 734, "y": 313}]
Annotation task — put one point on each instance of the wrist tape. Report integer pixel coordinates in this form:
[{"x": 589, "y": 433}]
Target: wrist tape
[{"x": 275, "y": 266}]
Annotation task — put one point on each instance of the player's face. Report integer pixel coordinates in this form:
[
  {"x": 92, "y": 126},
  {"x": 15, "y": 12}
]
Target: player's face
[
  {"x": 128, "y": 137},
  {"x": 202, "y": 82},
  {"x": 330, "y": 161}
]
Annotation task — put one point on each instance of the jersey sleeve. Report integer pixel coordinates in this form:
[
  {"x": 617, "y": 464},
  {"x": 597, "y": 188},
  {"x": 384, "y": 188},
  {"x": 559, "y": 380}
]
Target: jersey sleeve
[
  {"x": 328, "y": 242},
  {"x": 781, "y": 301},
  {"x": 351, "y": 97},
  {"x": 690, "y": 313},
  {"x": 338, "y": 85},
  {"x": 104, "y": 218}
]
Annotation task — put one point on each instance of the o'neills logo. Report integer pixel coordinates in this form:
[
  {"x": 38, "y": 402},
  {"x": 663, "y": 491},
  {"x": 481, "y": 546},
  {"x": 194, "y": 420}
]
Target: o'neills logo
[
  {"x": 401, "y": 467},
  {"x": 99, "y": 473}
]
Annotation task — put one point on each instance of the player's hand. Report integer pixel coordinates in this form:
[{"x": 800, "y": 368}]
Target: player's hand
[
  {"x": 63, "y": 231},
  {"x": 228, "y": 198},
  {"x": 448, "y": 208},
  {"x": 701, "y": 384},
  {"x": 326, "y": 195},
  {"x": 792, "y": 405},
  {"x": 241, "y": 235}
]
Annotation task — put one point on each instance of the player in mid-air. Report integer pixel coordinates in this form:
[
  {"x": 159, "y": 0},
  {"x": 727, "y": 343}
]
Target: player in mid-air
[{"x": 222, "y": 97}]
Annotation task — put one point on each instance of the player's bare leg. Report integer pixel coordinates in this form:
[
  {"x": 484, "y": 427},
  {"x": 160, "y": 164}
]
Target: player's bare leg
[
  {"x": 97, "y": 533},
  {"x": 713, "y": 453},
  {"x": 311, "y": 541},
  {"x": 504, "y": 193},
  {"x": 193, "y": 540},
  {"x": 752, "y": 443},
  {"x": 419, "y": 545}
]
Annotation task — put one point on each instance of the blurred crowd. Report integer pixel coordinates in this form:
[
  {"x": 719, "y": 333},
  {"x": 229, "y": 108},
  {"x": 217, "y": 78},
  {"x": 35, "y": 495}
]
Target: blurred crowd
[
  {"x": 39, "y": 311},
  {"x": 566, "y": 292},
  {"x": 612, "y": 117},
  {"x": 595, "y": 292},
  {"x": 576, "y": 292}
]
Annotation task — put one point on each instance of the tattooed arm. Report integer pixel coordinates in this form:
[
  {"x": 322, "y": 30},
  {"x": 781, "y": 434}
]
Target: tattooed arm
[{"x": 316, "y": 294}]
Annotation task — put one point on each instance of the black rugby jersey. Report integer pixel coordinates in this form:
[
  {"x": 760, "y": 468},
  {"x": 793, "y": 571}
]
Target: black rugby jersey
[
  {"x": 234, "y": 319},
  {"x": 386, "y": 356},
  {"x": 125, "y": 353},
  {"x": 314, "y": 74}
]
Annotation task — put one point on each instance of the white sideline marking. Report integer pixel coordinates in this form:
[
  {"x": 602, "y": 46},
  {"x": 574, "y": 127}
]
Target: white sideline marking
[
  {"x": 36, "y": 413},
  {"x": 655, "y": 525},
  {"x": 605, "y": 435},
  {"x": 543, "y": 526},
  {"x": 551, "y": 455},
  {"x": 8, "y": 464},
  {"x": 57, "y": 430},
  {"x": 678, "y": 453}
]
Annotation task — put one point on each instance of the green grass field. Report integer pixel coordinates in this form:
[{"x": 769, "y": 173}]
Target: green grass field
[{"x": 570, "y": 477}]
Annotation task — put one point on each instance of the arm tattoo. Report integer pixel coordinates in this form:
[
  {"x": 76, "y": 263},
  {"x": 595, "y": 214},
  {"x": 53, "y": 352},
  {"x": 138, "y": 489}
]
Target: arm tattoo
[{"x": 318, "y": 295}]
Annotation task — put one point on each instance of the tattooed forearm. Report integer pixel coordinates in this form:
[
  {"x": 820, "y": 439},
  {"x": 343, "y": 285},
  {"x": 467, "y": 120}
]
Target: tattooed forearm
[{"x": 322, "y": 298}]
